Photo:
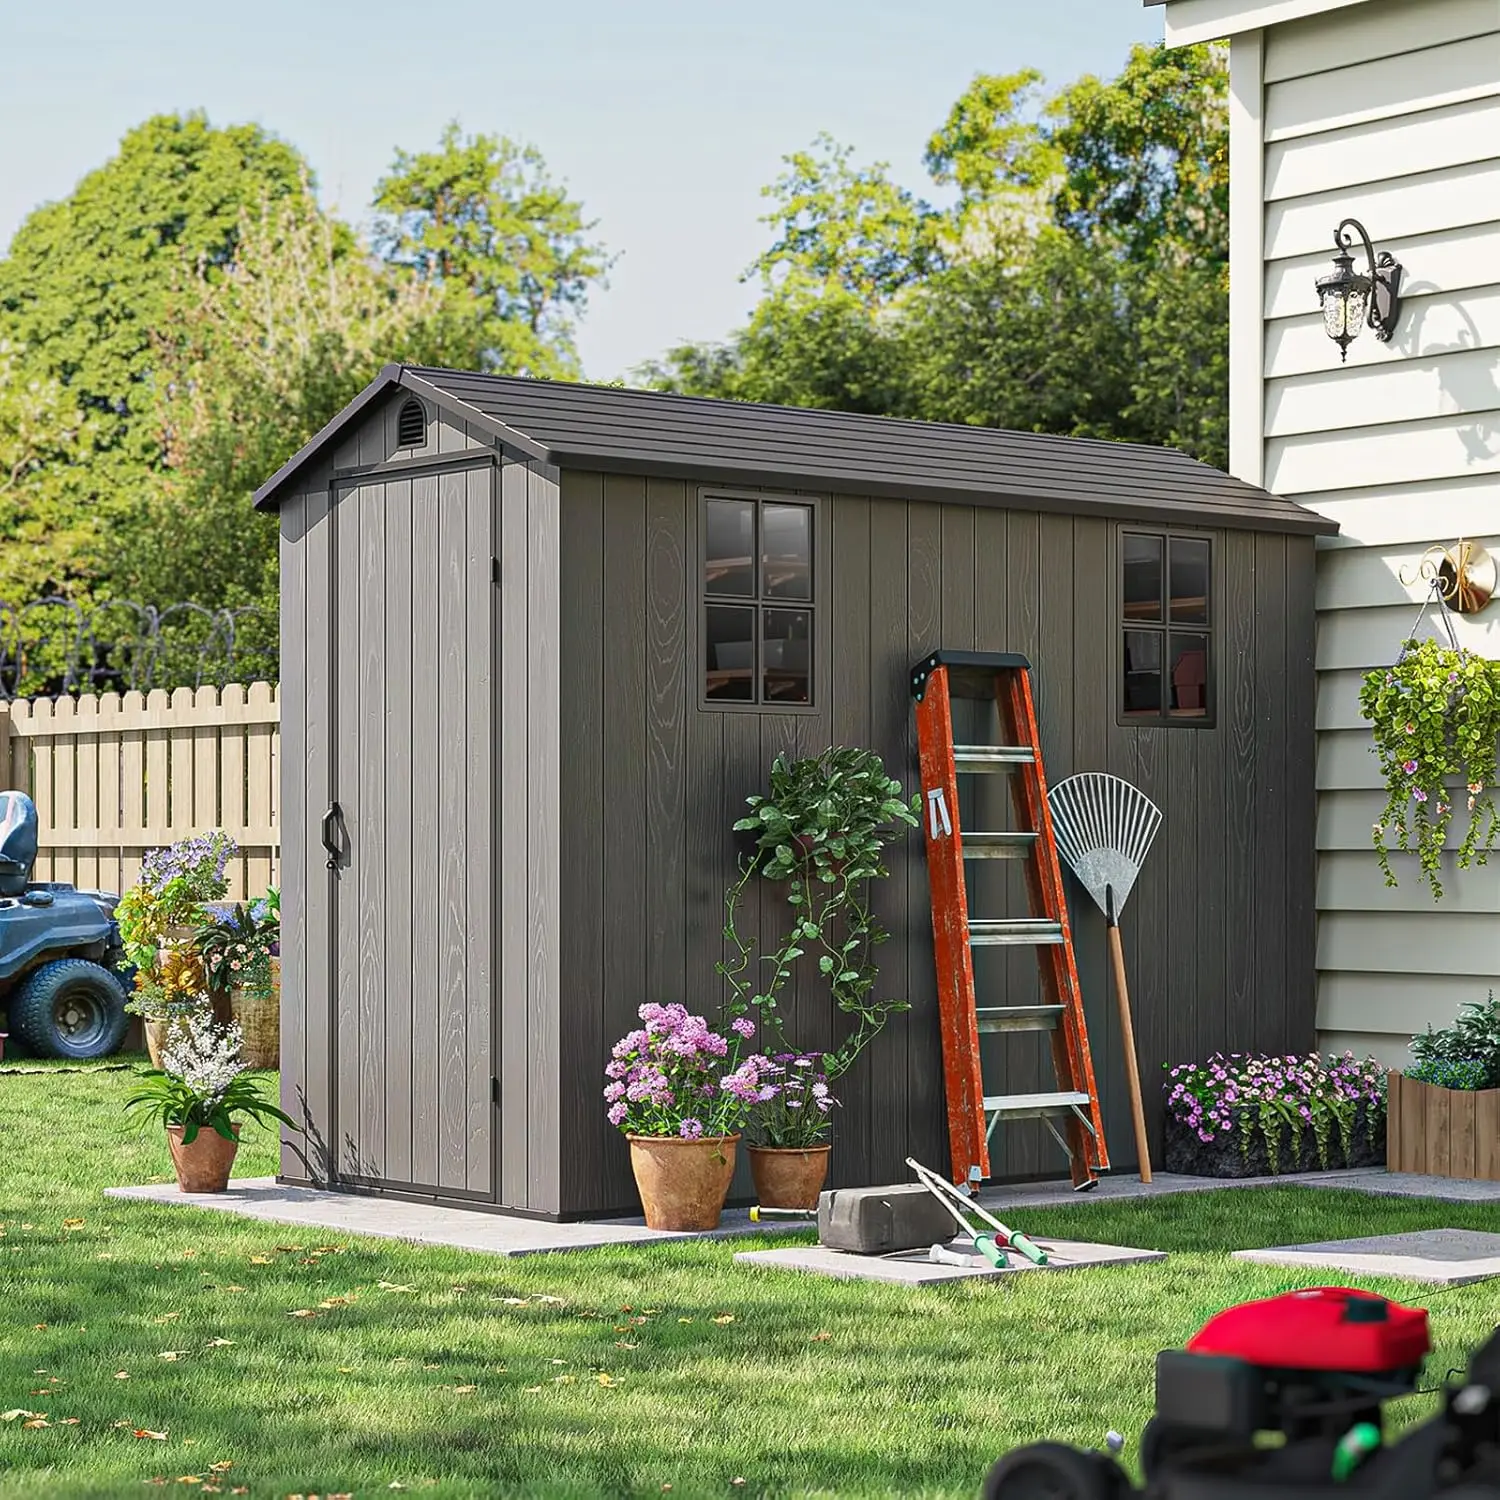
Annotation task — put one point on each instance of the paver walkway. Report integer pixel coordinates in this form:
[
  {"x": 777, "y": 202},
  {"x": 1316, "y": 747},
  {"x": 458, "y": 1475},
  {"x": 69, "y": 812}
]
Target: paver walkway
[{"x": 507, "y": 1234}]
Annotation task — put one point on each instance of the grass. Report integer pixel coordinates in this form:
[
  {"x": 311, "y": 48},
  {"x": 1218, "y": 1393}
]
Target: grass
[{"x": 596, "y": 1373}]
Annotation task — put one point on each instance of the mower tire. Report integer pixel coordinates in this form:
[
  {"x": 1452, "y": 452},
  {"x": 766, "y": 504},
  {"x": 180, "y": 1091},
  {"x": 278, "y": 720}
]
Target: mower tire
[{"x": 70, "y": 1008}]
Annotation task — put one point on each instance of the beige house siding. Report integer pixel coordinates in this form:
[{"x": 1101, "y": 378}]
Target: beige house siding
[{"x": 1388, "y": 112}]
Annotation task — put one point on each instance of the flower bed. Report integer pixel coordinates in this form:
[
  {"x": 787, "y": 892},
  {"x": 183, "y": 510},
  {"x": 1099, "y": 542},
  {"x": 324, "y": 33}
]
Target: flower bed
[{"x": 1259, "y": 1116}]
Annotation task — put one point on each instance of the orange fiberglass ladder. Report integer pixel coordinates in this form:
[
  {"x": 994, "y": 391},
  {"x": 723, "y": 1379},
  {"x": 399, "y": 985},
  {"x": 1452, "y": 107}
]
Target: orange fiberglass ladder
[{"x": 972, "y": 1113}]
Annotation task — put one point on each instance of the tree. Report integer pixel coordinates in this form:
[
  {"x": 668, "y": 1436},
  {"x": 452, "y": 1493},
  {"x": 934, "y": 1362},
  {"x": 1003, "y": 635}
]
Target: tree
[
  {"x": 43, "y": 432},
  {"x": 85, "y": 285},
  {"x": 1077, "y": 286},
  {"x": 480, "y": 217},
  {"x": 257, "y": 356},
  {"x": 86, "y": 280}
]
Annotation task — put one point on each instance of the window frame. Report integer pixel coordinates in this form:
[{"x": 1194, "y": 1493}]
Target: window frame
[
  {"x": 1209, "y": 628},
  {"x": 817, "y": 655}
]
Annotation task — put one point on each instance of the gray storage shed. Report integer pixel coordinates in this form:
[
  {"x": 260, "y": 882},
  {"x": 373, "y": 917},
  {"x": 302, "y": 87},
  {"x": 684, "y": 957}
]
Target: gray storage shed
[{"x": 540, "y": 641}]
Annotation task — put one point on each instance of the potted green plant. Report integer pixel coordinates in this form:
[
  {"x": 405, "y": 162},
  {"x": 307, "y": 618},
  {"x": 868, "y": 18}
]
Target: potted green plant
[
  {"x": 197, "y": 1093},
  {"x": 679, "y": 1092},
  {"x": 789, "y": 1123},
  {"x": 235, "y": 947},
  {"x": 822, "y": 830},
  {"x": 163, "y": 909},
  {"x": 1445, "y": 1108},
  {"x": 167, "y": 995},
  {"x": 1435, "y": 716}
]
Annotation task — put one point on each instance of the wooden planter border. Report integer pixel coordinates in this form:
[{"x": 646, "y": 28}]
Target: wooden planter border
[{"x": 1445, "y": 1132}]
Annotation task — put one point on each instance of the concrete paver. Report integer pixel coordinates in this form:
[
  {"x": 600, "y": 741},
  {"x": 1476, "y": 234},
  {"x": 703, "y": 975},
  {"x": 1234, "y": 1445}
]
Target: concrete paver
[{"x": 1448, "y": 1257}]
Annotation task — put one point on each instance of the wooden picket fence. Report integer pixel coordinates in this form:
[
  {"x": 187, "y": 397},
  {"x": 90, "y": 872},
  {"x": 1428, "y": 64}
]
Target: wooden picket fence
[{"x": 114, "y": 776}]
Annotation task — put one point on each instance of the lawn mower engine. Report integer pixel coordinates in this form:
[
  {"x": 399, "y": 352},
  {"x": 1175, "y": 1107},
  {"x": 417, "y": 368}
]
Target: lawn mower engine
[{"x": 1312, "y": 1368}]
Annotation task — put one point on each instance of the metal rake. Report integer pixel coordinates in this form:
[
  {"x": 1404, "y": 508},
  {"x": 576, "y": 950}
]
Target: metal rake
[{"x": 1103, "y": 828}]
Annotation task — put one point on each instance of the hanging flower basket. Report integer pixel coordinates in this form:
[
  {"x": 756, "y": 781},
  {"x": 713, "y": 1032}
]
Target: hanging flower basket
[{"x": 1435, "y": 716}]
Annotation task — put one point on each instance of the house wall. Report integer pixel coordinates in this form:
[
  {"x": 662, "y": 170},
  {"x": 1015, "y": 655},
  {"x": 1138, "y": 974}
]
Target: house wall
[
  {"x": 1218, "y": 932},
  {"x": 419, "y": 1023},
  {"x": 1388, "y": 112}
]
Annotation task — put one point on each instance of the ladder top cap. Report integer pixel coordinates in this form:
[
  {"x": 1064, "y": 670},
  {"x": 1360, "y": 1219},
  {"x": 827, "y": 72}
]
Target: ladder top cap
[{"x": 974, "y": 677}]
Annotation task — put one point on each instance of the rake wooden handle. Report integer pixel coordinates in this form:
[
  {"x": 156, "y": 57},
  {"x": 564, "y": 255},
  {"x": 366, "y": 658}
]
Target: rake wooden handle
[{"x": 1127, "y": 1037}]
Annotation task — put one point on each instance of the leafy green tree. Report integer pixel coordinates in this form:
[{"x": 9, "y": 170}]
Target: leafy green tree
[
  {"x": 43, "y": 433},
  {"x": 480, "y": 217},
  {"x": 250, "y": 366},
  {"x": 86, "y": 280},
  {"x": 1077, "y": 285},
  {"x": 84, "y": 287}
]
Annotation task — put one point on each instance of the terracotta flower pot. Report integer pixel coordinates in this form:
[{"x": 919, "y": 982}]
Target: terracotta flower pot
[
  {"x": 682, "y": 1183},
  {"x": 788, "y": 1176},
  {"x": 202, "y": 1167}
]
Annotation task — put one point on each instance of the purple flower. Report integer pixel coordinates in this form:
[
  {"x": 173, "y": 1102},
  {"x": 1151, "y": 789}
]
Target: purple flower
[
  {"x": 690, "y": 1129},
  {"x": 744, "y": 1026}
]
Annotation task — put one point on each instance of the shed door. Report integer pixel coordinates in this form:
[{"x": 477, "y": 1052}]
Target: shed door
[{"x": 411, "y": 599}]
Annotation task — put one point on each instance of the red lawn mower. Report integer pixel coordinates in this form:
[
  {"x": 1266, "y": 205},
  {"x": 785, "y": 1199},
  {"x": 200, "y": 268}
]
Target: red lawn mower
[{"x": 1313, "y": 1367}]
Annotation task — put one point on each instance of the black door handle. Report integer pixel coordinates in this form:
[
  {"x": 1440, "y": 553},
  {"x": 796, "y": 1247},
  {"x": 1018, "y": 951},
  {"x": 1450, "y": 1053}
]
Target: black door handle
[{"x": 327, "y": 831}]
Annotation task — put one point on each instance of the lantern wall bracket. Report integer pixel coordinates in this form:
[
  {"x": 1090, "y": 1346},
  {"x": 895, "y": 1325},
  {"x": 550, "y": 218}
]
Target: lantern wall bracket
[
  {"x": 1385, "y": 281},
  {"x": 1464, "y": 576}
]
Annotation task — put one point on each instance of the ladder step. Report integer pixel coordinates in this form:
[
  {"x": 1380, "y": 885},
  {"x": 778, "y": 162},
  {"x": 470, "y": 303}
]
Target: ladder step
[
  {"x": 992, "y": 757},
  {"x": 1034, "y": 1106},
  {"x": 998, "y": 845},
  {"x": 1015, "y": 930},
  {"x": 1020, "y": 1017}
]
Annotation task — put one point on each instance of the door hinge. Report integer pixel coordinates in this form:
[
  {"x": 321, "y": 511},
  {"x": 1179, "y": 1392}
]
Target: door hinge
[{"x": 494, "y": 570}]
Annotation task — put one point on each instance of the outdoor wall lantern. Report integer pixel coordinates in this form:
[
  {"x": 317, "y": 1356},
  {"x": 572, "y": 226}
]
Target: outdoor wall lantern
[{"x": 1350, "y": 300}]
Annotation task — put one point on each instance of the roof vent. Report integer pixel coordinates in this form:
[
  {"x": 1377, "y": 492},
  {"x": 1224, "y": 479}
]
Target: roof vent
[{"x": 411, "y": 425}]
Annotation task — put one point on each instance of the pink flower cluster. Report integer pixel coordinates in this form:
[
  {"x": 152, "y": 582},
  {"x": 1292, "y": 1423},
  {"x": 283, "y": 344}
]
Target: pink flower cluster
[
  {"x": 669, "y": 1076},
  {"x": 1205, "y": 1097}
]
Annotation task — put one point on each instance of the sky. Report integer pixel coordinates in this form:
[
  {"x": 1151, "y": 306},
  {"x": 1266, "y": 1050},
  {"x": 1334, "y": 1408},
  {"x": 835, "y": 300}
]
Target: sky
[{"x": 664, "y": 117}]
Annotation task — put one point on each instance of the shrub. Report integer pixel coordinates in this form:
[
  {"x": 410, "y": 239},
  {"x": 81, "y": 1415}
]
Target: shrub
[{"x": 1469, "y": 1048}]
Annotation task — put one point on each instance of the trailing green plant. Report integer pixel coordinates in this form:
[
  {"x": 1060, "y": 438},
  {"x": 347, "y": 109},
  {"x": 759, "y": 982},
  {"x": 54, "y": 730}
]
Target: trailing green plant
[
  {"x": 823, "y": 829},
  {"x": 203, "y": 1084},
  {"x": 1242, "y": 1094},
  {"x": 1436, "y": 717},
  {"x": 173, "y": 886},
  {"x": 1468, "y": 1049}
]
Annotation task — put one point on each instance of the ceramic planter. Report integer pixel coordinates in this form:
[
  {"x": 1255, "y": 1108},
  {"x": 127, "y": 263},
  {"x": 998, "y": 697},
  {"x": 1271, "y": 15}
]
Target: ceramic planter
[
  {"x": 158, "y": 1035},
  {"x": 789, "y": 1176},
  {"x": 203, "y": 1166},
  {"x": 682, "y": 1183}
]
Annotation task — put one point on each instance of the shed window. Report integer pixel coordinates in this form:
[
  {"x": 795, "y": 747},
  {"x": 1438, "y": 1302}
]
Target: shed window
[
  {"x": 758, "y": 606},
  {"x": 411, "y": 425},
  {"x": 1166, "y": 629}
]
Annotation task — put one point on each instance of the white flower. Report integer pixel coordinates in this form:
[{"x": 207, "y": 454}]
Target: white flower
[{"x": 205, "y": 1056}]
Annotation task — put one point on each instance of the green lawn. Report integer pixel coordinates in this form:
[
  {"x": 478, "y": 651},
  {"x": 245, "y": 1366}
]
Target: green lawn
[{"x": 346, "y": 1366}]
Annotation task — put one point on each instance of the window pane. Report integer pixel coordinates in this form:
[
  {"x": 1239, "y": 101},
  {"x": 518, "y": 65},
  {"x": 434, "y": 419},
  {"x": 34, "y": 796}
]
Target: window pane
[
  {"x": 1189, "y": 659},
  {"x": 1189, "y": 574},
  {"x": 731, "y": 654},
  {"x": 786, "y": 646},
  {"x": 1143, "y": 577},
  {"x": 730, "y": 552},
  {"x": 787, "y": 541},
  {"x": 1143, "y": 674}
]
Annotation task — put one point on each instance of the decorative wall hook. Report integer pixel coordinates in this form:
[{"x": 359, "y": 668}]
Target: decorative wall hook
[{"x": 1464, "y": 575}]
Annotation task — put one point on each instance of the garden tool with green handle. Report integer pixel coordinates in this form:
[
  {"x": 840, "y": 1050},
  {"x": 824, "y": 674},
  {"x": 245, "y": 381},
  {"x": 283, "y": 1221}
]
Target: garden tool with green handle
[{"x": 992, "y": 1247}]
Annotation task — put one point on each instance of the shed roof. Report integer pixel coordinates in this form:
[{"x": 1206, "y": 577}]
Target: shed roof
[{"x": 605, "y": 428}]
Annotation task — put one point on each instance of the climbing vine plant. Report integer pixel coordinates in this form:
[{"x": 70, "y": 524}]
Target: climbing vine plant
[{"x": 1436, "y": 718}]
